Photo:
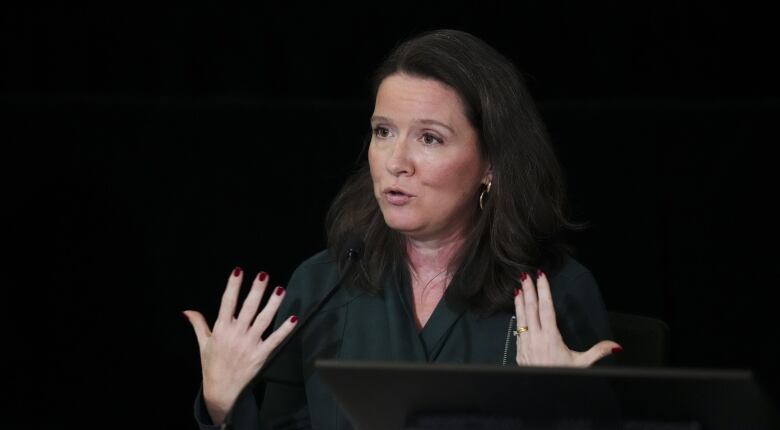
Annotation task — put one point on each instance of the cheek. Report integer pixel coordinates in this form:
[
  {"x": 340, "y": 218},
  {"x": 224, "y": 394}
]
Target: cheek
[
  {"x": 374, "y": 163},
  {"x": 455, "y": 180},
  {"x": 374, "y": 157},
  {"x": 373, "y": 160}
]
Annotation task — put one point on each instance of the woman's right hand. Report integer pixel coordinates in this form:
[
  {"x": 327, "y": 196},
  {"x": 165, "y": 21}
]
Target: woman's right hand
[{"x": 233, "y": 352}]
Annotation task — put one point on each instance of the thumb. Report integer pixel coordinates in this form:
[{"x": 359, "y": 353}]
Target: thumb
[
  {"x": 599, "y": 351},
  {"x": 202, "y": 331}
]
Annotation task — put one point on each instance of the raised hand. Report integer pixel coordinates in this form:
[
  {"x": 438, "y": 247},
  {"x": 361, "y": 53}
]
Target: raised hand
[
  {"x": 233, "y": 352},
  {"x": 539, "y": 342}
]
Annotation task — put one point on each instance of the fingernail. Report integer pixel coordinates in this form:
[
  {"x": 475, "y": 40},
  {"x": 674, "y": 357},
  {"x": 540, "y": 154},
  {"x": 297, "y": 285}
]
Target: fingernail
[
  {"x": 293, "y": 319},
  {"x": 517, "y": 291},
  {"x": 616, "y": 349},
  {"x": 523, "y": 276},
  {"x": 236, "y": 271},
  {"x": 279, "y": 291},
  {"x": 539, "y": 273},
  {"x": 262, "y": 276}
]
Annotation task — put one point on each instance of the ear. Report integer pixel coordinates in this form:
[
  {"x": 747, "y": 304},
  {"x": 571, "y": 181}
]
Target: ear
[{"x": 488, "y": 176}]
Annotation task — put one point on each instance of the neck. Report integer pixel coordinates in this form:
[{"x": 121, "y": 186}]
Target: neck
[{"x": 433, "y": 255}]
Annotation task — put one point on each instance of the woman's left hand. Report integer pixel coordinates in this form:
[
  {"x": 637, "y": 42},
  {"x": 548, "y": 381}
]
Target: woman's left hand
[{"x": 541, "y": 344}]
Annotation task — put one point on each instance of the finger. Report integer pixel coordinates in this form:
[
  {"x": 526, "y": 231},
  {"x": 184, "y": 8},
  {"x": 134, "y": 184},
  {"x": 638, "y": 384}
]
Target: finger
[
  {"x": 546, "y": 307},
  {"x": 252, "y": 301},
  {"x": 276, "y": 338},
  {"x": 229, "y": 298},
  {"x": 202, "y": 331},
  {"x": 597, "y": 352},
  {"x": 522, "y": 321},
  {"x": 265, "y": 316},
  {"x": 531, "y": 304}
]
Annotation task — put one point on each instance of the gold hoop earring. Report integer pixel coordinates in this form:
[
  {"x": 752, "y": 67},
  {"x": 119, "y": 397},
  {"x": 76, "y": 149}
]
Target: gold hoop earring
[{"x": 485, "y": 191}]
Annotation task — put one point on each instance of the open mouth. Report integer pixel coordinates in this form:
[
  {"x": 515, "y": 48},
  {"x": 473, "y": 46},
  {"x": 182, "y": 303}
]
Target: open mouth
[{"x": 397, "y": 197}]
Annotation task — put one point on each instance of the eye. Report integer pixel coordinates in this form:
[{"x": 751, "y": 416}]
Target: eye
[
  {"x": 430, "y": 139},
  {"x": 381, "y": 132}
]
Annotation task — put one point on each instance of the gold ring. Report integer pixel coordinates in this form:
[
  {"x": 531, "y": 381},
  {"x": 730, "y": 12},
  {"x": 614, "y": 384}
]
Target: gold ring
[{"x": 521, "y": 330}]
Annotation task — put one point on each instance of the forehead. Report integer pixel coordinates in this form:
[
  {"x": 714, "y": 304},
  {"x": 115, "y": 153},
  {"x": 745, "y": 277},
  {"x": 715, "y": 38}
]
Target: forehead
[{"x": 404, "y": 97}]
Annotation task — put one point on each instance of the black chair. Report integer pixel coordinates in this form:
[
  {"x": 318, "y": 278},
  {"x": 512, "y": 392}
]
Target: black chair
[{"x": 645, "y": 340}]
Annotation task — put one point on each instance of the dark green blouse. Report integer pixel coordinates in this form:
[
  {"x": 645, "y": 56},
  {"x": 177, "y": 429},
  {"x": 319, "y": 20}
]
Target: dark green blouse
[{"x": 354, "y": 325}]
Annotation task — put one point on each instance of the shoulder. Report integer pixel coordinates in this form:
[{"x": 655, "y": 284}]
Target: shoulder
[
  {"x": 316, "y": 273},
  {"x": 579, "y": 307},
  {"x": 571, "y": 271},
  {"x": 572, "y": 278},
  {"x": 322, "y": 260},
  {"x": 574, "y": 287}
]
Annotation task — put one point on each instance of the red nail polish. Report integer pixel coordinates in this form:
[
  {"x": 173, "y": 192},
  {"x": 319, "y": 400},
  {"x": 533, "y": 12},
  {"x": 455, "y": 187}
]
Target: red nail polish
[
  {"x": 539, "y": 273},
  {"x": 262, "y": 276},
  {"x": 236, "y": 271},
  {"x": 616, "y": 349},
  {"x": 293, "y": 319},
  {"x": 523, "y": 276},
  {"x": 279, "y": 291},
  {"x": 516, "y": 292}
]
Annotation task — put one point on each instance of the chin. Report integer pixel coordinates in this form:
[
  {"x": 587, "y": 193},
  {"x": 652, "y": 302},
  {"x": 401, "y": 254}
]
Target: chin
[{"x": 401, "y": 224}]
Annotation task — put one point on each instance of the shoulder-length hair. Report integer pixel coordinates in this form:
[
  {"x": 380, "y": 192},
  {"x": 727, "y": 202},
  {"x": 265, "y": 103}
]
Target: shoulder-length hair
[{"x": 521, "y": 226}]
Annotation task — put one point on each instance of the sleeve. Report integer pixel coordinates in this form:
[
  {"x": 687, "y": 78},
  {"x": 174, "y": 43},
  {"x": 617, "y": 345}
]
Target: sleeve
[
  {"x": 243, "y": 417},
  {"x": 270, "y": 405},
  {"x": 201, "y": 414},
  {"x": 279, "y": 401},
  {"x": 582, "y": 315}
]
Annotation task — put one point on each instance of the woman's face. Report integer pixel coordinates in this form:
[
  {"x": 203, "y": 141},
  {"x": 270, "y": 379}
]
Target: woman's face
[{"x": 425, "y": 163}]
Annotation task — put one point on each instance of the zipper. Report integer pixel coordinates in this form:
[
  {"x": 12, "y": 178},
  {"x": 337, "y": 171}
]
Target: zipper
[{"x": 508, "y": 338}]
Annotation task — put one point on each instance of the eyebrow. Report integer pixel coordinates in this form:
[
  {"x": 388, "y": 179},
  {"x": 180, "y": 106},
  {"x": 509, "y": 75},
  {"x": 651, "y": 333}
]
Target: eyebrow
[{"x": 421, "y": 121}]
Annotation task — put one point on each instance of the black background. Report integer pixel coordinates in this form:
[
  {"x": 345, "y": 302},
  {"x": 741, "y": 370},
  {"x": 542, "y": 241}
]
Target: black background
[{"x": 148, "y": 151}]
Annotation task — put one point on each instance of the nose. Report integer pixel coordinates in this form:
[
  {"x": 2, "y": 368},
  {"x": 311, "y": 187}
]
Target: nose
[{"x": 399, "y": 162}]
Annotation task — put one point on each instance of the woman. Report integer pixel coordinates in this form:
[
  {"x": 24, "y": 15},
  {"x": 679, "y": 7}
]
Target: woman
[{"x": 460, "y": 214}]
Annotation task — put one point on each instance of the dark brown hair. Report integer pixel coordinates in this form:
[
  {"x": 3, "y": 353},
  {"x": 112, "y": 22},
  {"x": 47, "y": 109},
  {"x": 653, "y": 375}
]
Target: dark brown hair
[{"x": 522, "y": 223}]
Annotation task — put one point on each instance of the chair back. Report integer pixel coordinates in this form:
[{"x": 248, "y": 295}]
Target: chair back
[{"x": 645, "y": 340}]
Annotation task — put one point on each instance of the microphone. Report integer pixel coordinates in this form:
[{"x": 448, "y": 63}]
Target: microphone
[{"x": 354, "y": 251}]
